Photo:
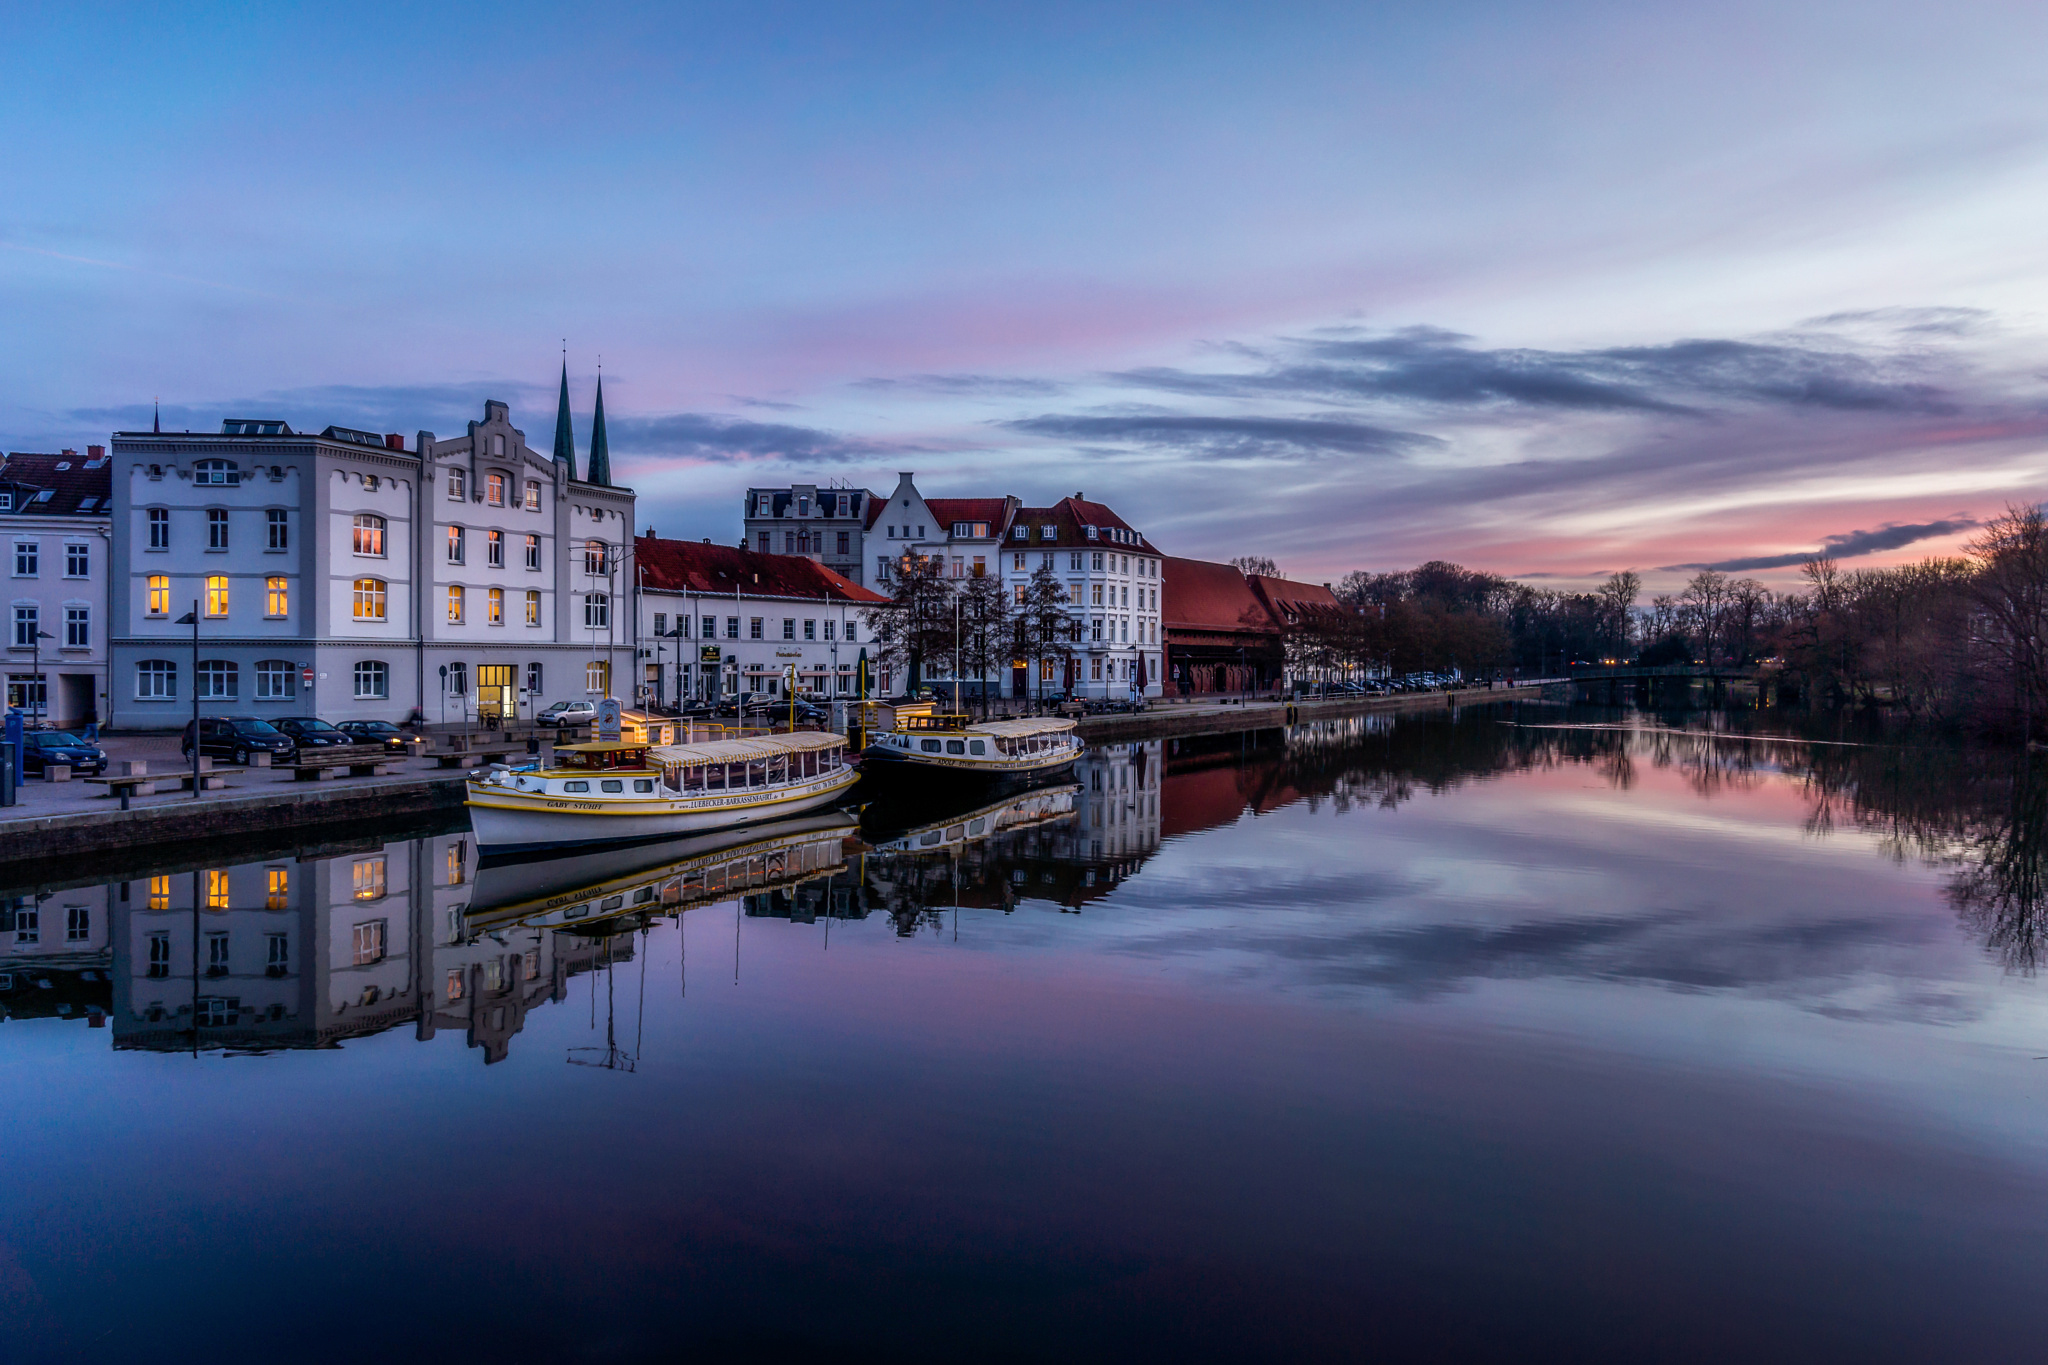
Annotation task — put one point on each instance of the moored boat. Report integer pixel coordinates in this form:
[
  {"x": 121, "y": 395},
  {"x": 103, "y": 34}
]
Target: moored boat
[
  {"x": 951, "y": 745},
  {"x": 616, "y": 792}
]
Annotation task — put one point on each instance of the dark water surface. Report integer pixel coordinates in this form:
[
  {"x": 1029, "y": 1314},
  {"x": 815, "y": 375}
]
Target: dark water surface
[{"x": 1533, "y": 1033}]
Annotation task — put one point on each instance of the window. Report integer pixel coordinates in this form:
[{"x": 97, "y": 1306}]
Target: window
[
  {"x": 370, "y": 535},
  {"x": 278, "y": 959},
  {"x": 732, "y": 627},
  {"x": 1095, "y": 595},
  {"x": 458, "y": 485},
  {"x": 78, "y": 627},
  {"x": 159, "y": 594},
  {"x": 1097, "y": 561},
  {"x": 77, "y": 559},
  {"x": 159, "y": 946},
  {"x": 458, "y": 679},
  {"x": 277, "y": 597},
  {"x": 533, "y": 552},
  {"x": 533, "y": 495},
  {"x": 849, "y": 632},
  {"x": 1020, "y": 594},
  {"x": 77, "y": 923},
  {"x": 455, "y": 595},
  {"x": 494, "y": 549},
  {"x": 159, "y": 528},
  {"x": 27, "y": 916},
  {"x": 497, "y": 445},
  {"x": 1095, "y": 668},
  {"x": 1095, "y": 628},
  {"x": 494, "y": 488},
  {"x": 369, "y": 937},
  {"x": 217, "y": 595},
  {"x": 373, "y": 679},
  {"x": 597, "y": 675},
  {"x": 219, "y": 680},
  {"x": 277, "y": 887},
  {"x": 369, "y": 599},
  {"x": 220, "y": 472},
  {"x": 845, "y": 543},
  {"x": 763, "y": 539},
  {"x": 367, "y": 881},
  {"x": 217, "y": 953},
  {"x": 273, "y": 679},
  {"x": 594, "y": 556},
  {"x": 454, "y": 983},
  {"x": 533, "y": 680},
  {"x": 533, "y": 606},
  {"x": 1020, "y": 532},
  {"x": 279, "y": 522},
  {"x": 831, "y": 629},
  {"x": 457, "y": 546},
  {"x": 369, "y": 483},
  {"x": 27, "y": 558},
  {"x": 458, "y": 855},
  {"x": 597, "y": 611},
  {"x": 708, "y": 628},
  {"x": 661, "y": 622},
  {"x": 494, "y": 607},
  {"x": 156, "y": 680},
  {"x": 216, "y": 528},
  {"x": 788, "y": 628},
  {"x": 217, "y": 889}
]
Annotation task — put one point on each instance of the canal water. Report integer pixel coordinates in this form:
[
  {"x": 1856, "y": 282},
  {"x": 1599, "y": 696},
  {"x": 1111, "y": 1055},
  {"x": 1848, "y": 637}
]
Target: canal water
[{"x": 1530, "y": 1031}]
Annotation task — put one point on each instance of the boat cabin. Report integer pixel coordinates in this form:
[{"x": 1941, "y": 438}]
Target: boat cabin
[{"x": 604, "y": 756}]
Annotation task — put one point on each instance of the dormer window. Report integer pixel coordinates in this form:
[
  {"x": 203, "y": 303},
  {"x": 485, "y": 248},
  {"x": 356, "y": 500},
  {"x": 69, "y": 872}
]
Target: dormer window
[
  {"x": 1091, "y": 533},
  {"x": 219, "y": 472},
  {"x": 6, "y": 502},
  {"x": 1048, "y": 533},
  {"x": 803, "y": 507},
  {"x": 1020, "y": 533}
]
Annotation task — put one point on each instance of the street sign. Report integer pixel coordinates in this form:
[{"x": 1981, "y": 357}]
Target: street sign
[
  {"x": 707, "y": 654},
  {"x": 306, "y": 676}
]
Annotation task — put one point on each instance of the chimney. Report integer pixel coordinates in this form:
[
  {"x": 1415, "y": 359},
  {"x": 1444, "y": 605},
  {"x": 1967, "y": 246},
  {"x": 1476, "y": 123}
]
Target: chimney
[
  {"x": 1079, "y": 496},
  {"x": 393, "y": 441},
  {"x": 67, "y": 454},
  {"x": 95, "y": 452}
]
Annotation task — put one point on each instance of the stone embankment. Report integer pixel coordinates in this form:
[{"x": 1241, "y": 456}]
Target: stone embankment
[{"x": 39, "y": 844}]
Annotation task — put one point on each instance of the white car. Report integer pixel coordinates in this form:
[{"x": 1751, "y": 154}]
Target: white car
[{"x": 568, "y": 713}]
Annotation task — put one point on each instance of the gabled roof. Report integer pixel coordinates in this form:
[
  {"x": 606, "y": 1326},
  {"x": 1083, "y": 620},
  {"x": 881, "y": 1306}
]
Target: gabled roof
[
  {"x": 1289, "y": 600},
  {"x": 75, "y": 489},
  {"x": 1199, "y": 595},
  {"x": 692, "y": 566},
  {"x": 1071, "y": 517},
  {"x": 946, "y": 511}
]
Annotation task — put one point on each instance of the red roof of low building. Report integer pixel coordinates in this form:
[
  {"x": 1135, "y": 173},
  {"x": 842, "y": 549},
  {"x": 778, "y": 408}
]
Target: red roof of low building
[
  {"x": 1290, "y": 600},
  {"x": 695, "y": 566},
  {"x": 1199, "y": 595},
  {"x": 78, "y": 485}
]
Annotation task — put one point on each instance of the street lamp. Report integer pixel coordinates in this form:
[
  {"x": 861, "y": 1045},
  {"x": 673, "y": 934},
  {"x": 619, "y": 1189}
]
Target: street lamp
[
  {"x": 42, "y": 688},
  {"x": 191, "y": 618}
]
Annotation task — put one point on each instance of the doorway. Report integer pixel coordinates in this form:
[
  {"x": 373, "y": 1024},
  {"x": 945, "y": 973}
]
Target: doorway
[{"x": 494, "y": 692}]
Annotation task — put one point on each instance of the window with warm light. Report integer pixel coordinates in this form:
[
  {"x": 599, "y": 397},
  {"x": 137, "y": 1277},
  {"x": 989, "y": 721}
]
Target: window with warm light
[
  {"x": 370, "y": 536},
  {"x": 277, "y": 885},
  {"x": 369, "y": 599},
  {"x": 533, "y": 607},
  {"x": 494, "y": 607},
  {"x": 159, "y": 893},
  {"x": 276, "y": 597},
  {"x": 217, "y": 889},
  {"x": 159, "y": 594},
  {"x": 494, "y": 489},
  {"x": 367, "y": 879},
  {"x": 217, "y": 595},
  {"x": 455, "y": 606}
]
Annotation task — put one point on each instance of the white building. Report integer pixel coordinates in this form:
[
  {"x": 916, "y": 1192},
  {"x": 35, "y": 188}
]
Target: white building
[
  {"x": 348, "y": 575},
  {"x": 715, "y": 620},
  {"x": 56, "y": 530},
  {"x": 1113, "y": 580}
]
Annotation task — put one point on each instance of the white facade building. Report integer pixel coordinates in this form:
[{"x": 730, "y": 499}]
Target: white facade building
[
  {"x": 56, "y": 533},
  {"x": 346, "y": 575}
]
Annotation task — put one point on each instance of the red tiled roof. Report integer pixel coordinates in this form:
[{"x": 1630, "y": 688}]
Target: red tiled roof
[
  {"x": 1286, "y": 597},
  {"x": 1072, "y": 517},
  {"x": 1198, "y": 595},
  {"x": 67, "y": 486},
  {"x": 946, "y": 511},
  {"x": 1190, "y": 802},
  {"x": 692, "y": 566}
]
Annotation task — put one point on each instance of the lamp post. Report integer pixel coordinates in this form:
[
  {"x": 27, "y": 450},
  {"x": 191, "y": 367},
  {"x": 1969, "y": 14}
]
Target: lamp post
[
  {"x": 42, "y": 688},
  {"x": 191, "y": 618}
]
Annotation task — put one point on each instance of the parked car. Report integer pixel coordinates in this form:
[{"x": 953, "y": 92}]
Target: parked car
[
  {"x": 41, "y": 747},
  {"x": 568, "y": 713},
  {"x": 311, "y": 732},
  {"x": 237, "y": 737},
  {"x": 376, "y": 732}
]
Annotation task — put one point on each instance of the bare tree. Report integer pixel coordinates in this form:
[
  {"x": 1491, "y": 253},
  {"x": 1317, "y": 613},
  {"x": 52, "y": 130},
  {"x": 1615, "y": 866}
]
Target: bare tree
[
  {"x": 985, "y": 630},
  {"x": 1041, "y": 629},
  {"x": 916, "y": 623},
  {"x": 1255, "y": 566}
]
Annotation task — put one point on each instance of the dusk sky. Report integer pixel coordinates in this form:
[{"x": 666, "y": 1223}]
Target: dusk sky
[{"x": 1550, "y": 290}]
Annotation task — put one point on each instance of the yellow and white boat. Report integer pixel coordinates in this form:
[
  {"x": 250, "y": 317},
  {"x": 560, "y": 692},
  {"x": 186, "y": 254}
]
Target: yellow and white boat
[
  {"x": 615, "y": 792},
  {"x": 932, "y": 743}
]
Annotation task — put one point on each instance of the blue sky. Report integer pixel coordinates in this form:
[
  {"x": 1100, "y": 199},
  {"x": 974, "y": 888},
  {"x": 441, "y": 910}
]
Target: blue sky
[{"x": 1548, "y": 289}]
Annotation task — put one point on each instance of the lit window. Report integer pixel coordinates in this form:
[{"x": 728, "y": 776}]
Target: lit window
[
  {"x": 369, "y": 599},
  {"x": 277, "y": 888},
  {"x": 217, "y": 889},
  {"x": 368, "y": 879},
  {"x": 494, "y": 549},
  {"x": 458, "y": 485},
  {"x": 594, "y": 557},
  {"x": 217, "y": 595},
  {"x": 494, "y": 607},
  {"x": 533, "y": 495},
  {"x": 160, "y": 895},
  {"x": 276, "y": 597},
  {"x": 457, "y": 547},
  {"x": 494, "y": 489},
  {"x": 457, "y": 856},
  {"x": 455, "y": 606},
  {"x": 455, "y": 983},
  {"x": 533, "y": 607},
  {"x": 369, "y": 535},
  {"x": 533, "y": 552}
]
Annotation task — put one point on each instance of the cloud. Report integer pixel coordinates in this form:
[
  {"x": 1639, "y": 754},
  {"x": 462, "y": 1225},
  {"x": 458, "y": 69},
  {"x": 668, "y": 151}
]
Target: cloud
[
  {"x": 1229, "y": 437},
  {"x": 702, "y": 436},
  {"x": 405, "y": 408},
  {"x": 981, "y": 385},
  {"x": 1848, "y": 545}
]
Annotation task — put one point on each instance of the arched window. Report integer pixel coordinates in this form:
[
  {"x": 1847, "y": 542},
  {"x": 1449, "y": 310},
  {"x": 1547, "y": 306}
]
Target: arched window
[
  {"x": 222, "y": 472},
  {"x": 219, "y": 680},
  {"x": 494, "y": 486},
  {"x": 373, "y": 679},
  {"x": 369, "y": 599},
  {"x": 274, "y": 679},
  {"x": 156, "y": 680},
  {"x": 370, "y": 535},
  {"x": 594, "y": 557}
]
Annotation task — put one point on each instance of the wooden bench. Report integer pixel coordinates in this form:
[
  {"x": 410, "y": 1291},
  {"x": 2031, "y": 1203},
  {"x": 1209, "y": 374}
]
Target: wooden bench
[
  {"x": 361, "y": 760},
  {"x": 467, "y": 751}
]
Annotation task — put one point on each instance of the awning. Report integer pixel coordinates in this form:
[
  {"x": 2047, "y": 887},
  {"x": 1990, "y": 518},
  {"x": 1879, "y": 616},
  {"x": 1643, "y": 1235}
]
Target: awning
[{"x": 743, "y": 750}]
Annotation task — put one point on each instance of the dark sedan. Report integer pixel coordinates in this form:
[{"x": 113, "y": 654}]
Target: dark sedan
[
  {"x": 43, "y": 747},
  {"x": 237, "y": 737},
  {"x": 376, "y": 732},
  {"x": 311, "y": 732}
]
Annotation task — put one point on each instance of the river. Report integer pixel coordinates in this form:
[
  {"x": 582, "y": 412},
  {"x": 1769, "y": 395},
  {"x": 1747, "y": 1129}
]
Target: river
[{"x": 1530, "y": 1031}]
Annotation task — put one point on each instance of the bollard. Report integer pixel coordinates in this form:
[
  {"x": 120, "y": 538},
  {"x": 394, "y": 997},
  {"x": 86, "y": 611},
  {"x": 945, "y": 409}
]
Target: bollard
[{"x": 56, "y": 772}]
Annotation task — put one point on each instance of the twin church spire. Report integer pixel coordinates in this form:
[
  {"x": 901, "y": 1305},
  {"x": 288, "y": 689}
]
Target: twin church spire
[{"x": 565, "y": 436}]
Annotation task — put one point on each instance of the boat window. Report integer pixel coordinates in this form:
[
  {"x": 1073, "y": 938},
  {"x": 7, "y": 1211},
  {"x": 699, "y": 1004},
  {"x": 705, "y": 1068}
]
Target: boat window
[
  {"x": 927, "y": 839},
  {"x": 643, "y": 784},
  {"x": 975, "y": 746},
  {"x": 575, "y": 786},
  {"x": 757, "y": 773},
  {"x": 954, "y": 746},
  {"x": 612, "y": 784},
  {"x": 807, "y": 763},
  {"x": 930, "y": 746},
  {"x": 693, "y": 778},
  {"x": 977, "y": 826},
  {"x": 778, "y": 770}
]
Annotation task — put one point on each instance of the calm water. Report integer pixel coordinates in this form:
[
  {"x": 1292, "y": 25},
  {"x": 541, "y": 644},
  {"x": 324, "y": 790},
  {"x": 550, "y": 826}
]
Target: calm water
[{"x": 1524, "y": 1033}]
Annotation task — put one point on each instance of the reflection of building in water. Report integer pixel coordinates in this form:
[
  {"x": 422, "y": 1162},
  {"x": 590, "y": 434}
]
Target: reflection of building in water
[
  {"x": 54, "y": 958},
  {"x": 308, "y": 951},
  {"x": 1118, "y": 804}
]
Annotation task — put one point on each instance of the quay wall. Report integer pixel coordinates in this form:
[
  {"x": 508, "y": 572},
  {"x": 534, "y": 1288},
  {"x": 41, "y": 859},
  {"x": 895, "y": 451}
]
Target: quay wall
[{"x": 1162, "y": 722}]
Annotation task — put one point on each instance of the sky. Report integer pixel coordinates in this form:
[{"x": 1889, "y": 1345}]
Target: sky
[{"x": 1548, "y": 290}]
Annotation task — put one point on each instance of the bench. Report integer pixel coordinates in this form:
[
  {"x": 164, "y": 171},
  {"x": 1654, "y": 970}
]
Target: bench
[
  {"x": 361, "y": 760},
  {"x": 467, "y": 751}
]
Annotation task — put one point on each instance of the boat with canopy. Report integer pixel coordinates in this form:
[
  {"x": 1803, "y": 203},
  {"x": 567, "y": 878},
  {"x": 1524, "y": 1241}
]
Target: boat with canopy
[{"x": 925, "y": 741}]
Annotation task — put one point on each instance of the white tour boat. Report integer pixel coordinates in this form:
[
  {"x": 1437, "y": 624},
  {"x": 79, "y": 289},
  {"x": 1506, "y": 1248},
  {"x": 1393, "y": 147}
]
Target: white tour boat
[
  {"x": 928, "y": 742},
  {"x": 613, "y": 792}
]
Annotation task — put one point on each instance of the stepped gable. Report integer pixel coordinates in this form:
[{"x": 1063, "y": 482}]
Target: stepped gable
[{"x": 715, "y": 570}]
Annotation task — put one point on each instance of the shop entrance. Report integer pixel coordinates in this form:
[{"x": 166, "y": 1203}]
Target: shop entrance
[{"x": 495, "y": 695}]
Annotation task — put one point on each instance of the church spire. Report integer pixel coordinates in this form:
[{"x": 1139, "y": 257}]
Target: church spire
[
  {"x": 565, "y": 437},
  {"x": 156, "y": 416},
  {"x": 600, "y": 448}
]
